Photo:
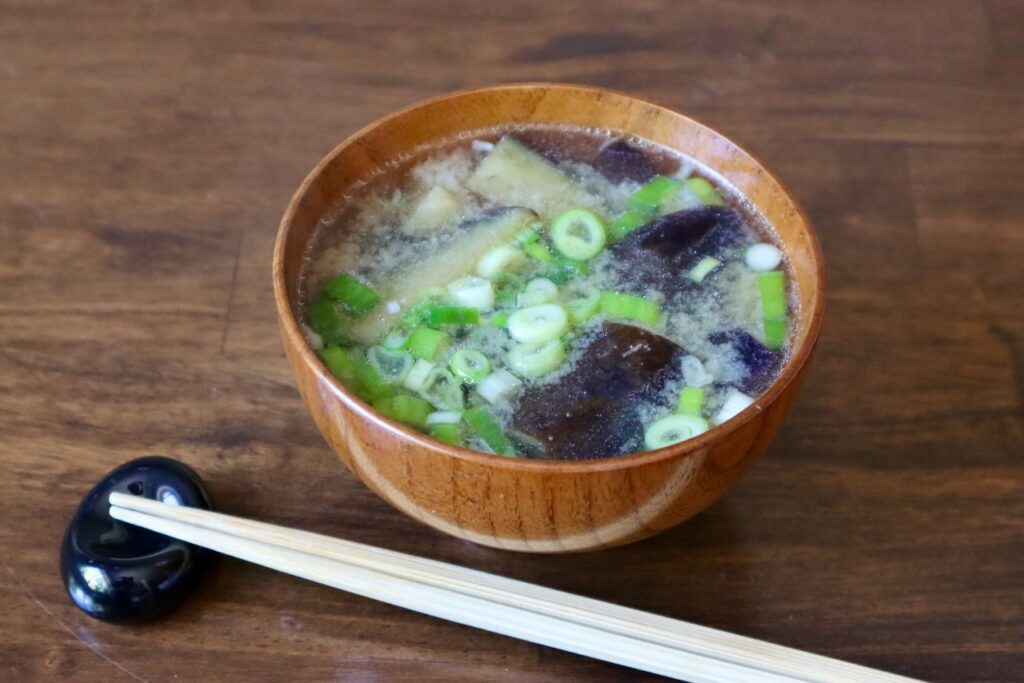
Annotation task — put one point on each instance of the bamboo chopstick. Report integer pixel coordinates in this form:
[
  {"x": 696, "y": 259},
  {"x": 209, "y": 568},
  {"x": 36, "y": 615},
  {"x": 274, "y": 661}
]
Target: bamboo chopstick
[{"x": 522, "y": 610}]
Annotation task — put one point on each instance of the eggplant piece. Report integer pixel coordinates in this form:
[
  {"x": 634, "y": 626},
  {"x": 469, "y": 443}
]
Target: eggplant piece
[
  {"x": 591, "y": 412},
  {"x": 512, "y": 174},
  {"x": 761, "y": 362},
  {"x": 465, "y": 248},
  {"x": 658, "y": 253},
  {"x": 618, "y": 161}
]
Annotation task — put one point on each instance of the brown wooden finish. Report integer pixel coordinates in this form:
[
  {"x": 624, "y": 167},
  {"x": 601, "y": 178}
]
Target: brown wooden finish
[
  {"x": 148, "y": 150},
  {"x": 514, "y": 503}
]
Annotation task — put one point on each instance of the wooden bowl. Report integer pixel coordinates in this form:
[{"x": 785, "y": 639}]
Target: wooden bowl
[{"x": 536, "y": 505}]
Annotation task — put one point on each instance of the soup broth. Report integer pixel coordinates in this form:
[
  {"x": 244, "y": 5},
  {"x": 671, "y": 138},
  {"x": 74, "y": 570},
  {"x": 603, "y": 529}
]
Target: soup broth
[{"x": 549, "y": 292}]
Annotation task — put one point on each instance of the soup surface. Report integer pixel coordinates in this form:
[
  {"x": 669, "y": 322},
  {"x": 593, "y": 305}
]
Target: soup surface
[{"x": 549, "y": 292}]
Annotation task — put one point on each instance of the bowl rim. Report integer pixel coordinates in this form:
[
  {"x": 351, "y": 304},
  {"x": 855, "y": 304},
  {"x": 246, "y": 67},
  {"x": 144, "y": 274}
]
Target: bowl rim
[{"x": 297, "y": 340}]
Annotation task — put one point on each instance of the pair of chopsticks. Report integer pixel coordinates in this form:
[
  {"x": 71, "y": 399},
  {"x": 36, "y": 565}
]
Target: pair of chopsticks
[{"x": 514, "y": 608}]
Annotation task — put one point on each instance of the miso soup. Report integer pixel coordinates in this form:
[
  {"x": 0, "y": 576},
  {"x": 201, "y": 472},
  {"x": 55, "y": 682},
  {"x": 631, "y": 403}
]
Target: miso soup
[{"x": 549, "y": 292}]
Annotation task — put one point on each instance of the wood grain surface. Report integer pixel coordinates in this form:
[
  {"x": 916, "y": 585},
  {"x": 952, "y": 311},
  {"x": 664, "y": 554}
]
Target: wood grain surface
[{"x": 147, "y": 151}]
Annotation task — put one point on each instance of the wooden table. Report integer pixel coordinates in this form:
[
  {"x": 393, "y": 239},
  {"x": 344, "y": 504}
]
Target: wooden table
[{"x": 147, "y": 151}]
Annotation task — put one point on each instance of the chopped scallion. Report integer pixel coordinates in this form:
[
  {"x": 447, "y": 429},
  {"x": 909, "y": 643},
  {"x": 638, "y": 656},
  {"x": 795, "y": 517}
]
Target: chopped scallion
[
  {"x": 326, "y": 321},
  {"x": 442, "y": 390},
  {"x": 498, "y": 386},
  {"x": 409, "y": 410},
  {"x": 582, "y": 309},
  {"x": 536, "y": 324},
  {"x": 426, "y": 343},
  {"x": 629, "y": 307},
  {"x": 442, "y": 314},
  {"x": 391, "y": 365},
  {"x": 417, "y": 375},
  {"x": 773, "y": 293},
  {"x": 470, "y": 365},
  {"x": 474, "y": 291},
  {"x": 579, "y": 234},
  {"x": 538, "y": 291},
  {"x": 654, "y": 193},
  {"x": 499, "y": 319},
  {"x": 447, "y": 433},
  {"x": 538, "y": 252},
  {"x": 673, "y": 429},
  {"x": 691, "y": 400},
  {"x": 772, "y": 286},
  {"x": 483, "y": 424},
  {"x": 703, "y": 268},
  {"x": 350, "y": 292},
  {"x": 629, "y": 221},
  {"x": 704, "y": 191},
  {"x": 535, "y": 360}
]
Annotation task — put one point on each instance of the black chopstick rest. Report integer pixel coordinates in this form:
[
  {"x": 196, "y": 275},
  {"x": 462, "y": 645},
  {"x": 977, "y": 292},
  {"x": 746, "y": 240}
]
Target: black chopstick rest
[{"x": 122, "y": 573}]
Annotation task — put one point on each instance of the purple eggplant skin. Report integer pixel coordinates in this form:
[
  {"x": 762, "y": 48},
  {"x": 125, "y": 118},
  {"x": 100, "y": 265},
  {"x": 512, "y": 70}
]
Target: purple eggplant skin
[
  {"x": 761, "y": 362},
  {"x": 658, "y": 253},
  {"x": 618, "y": 161},
  {"x": 591, "y": 411}
]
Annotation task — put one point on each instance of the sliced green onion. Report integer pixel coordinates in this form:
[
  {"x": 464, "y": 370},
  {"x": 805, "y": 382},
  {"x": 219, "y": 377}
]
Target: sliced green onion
[
  {"x": 409, "y": 410},
  {"x": 529, "y": 236},
  {"x": 536, "y": 324},
  {"x": 654, "y": 193},
  {"x": 326, "y": 321},
  {"x": 691, "y": 400},
  {"x": 773, "y": 293},
  {"x": 499, "y": 319},
  {"x": 775, "y": 332},
  {"x": 538, "y": 291},
  {"x": 703, "y": 268},
  {"x": 584, "y": 308},
  {"x": 763, "y": 257},
  {"x": 350, "y": 292},
  {"x": 391, "y": 365},
  {"x": 498, "y": 386},
  {"x": 444, "y": 417},
  {"x": 474, "y": 291},
  {"x": 417, "y": 375},
  {"x": 673, "y": 429},
  {"x": 772, "y": 285},
  {"x": 417, "y": 315},
  {"x": 538, "y": 252},
  {"x": 370, "y": 384},
  {"x": 629, "y": 221},
  {"x": 340, "y": 362},
  {"x": 483, "y": 424},
  {"x": 470, "y": 365},
  {"x": 703, "y": 191},
  {"x": 535, "y": 360},
  {"x": 503, "y": 258},
  {"x": 735, "y": 403},
  {"x": 426, "y": 344},
  {"x": 564, "y": 268},
  {"x": 442, "y": 314},
  {"x": 395, "y": 339},
  {"x": 447, "y": 433},
  {"x": 629, "y": 307},
  {"x": 506, "y": 288},
  {"x": 443, "y": 390},
  {"x": 356, "y": 373},
  {"x": 579, "y": 234}
]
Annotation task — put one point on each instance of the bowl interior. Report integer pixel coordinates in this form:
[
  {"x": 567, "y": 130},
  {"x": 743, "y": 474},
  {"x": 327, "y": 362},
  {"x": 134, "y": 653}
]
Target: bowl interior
[{"x": 440, "y": 118}]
